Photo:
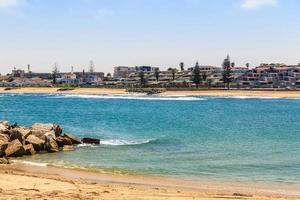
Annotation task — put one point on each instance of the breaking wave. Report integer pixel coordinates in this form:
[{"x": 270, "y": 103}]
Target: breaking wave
[
  {"x": 118, "y": 142},
  {"x": 38, "y": 164},
  {"x": 130, "y": 97}
]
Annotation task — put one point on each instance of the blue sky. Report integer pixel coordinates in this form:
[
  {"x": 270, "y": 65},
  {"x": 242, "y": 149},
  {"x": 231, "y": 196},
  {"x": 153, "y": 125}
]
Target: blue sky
[{"x": 146, "y": 32}]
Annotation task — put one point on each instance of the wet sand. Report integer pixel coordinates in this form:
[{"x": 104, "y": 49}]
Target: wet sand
[
  {"x": 21, "y": 181},
  {"x": 213, "y": 92}
]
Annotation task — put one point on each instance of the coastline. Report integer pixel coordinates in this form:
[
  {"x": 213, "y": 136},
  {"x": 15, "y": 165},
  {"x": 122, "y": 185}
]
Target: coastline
[
  {"x": 212, "y": 92},
  {"x": 61, "y": 183}
]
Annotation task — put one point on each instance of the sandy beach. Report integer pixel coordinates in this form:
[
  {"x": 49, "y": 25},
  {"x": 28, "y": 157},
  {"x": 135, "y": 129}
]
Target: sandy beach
[
  {"x": 214, "y": 92},
  {"x": 20, "y": 181}
]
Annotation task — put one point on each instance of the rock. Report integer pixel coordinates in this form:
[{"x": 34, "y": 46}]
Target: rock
[
  {"x": 24, "y": 131},
  {"x": 51, "y": 134},
  {"x": 4, "y": 129},
  {"x": 90, "y": 141},
  {"x": 61, "y": 141},
  {"x": 15, "y": 149},
  {"x": 29, "y": 149},
  {"x": 4, "y": 138},
  {"x": 37, "y": 143},
  {"x": 38, "y": 134},
  {"x": 51, "y": 145},
  {"x": 57, "y": 130},
  {"x": 72, "y": 138},
  {"x": 3, "y": 147},
  {"x": 5, "y": 123},
  {"x": 16, "y": 135},
  {"x": 4, "y": 161},
  {"x": 44, "y": 128},
  {"x": 68, "y": 148}
]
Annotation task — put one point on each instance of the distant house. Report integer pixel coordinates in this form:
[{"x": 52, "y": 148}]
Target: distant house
[{"x": 68, "y": 78}]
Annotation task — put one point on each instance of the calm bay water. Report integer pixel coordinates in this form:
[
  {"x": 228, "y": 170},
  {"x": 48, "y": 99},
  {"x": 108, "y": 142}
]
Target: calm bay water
[{"x": 240, "y": 139}]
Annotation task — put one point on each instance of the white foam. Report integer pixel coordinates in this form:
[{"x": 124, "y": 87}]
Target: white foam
[
  {"x": 117, "y": 142},
  {"x": 33, "y": 163},
  {"x": 250, "y": 97},
  {"x": 130, "y": 97}
]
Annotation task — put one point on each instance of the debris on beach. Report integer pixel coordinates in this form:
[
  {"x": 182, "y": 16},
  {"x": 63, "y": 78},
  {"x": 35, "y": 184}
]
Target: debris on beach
[{"x": 17, "y": 141}]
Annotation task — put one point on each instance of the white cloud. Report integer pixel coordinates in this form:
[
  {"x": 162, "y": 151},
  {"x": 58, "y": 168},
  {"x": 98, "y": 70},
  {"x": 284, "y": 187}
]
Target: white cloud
[
  {"x": 253, "y": 4},
  {"x": 11, "y": 3}
]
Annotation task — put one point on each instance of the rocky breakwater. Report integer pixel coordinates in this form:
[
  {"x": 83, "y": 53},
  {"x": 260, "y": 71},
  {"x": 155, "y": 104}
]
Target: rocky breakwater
[{"x": 17, "y": 141}]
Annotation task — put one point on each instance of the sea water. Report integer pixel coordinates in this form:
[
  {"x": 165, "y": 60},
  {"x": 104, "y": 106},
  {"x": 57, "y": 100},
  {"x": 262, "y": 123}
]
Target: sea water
[{"x": 239, "y": 139}]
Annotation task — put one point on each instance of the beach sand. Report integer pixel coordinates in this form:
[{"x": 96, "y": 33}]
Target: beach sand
[
  {"x": 213, "y": 92},
  {"x": 22, "y": 181}
]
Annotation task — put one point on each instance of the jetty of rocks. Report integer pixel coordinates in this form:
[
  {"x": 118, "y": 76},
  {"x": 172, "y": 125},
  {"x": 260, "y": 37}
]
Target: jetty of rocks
[{"x": 17, "y": 141}]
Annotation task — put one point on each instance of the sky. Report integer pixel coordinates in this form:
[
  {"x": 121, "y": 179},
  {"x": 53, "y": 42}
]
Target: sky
[{"x": 160, "y": 33}]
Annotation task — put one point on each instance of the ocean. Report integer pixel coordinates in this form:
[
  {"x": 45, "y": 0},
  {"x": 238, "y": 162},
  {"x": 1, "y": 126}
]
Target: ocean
[{"x": 195, "y": 138}]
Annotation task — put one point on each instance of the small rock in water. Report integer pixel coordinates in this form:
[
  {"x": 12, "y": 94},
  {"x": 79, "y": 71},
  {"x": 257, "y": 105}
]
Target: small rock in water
[{"x": 90, "y": 141}]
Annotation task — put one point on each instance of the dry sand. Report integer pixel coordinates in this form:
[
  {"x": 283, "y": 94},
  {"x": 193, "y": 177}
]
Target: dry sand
[
  {"x": 19, "y": 181},
  {"x": 213, "y": 92}
]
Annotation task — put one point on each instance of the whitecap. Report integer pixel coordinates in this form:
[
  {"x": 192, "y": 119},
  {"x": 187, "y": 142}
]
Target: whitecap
[
  {"x": 118, "y": 142},
  {"x": 130, "y": 97}
]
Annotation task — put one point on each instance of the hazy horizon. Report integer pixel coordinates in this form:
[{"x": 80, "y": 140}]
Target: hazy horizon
[{"x": 146, "y": 32}]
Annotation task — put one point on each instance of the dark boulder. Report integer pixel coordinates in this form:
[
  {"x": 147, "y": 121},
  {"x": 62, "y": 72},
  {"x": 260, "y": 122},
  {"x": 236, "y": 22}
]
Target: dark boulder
[
  {"x": 73, "y": 139},
  {"x": 3, "y": 147},
  {"x": 90, "y": 141},
  {"x": 61, "y": 141},
  {"x": 16, "y": 135}
]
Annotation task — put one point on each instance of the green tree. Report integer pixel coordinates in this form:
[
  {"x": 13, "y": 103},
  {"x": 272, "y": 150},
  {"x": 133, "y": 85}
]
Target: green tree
[
  {"x": 156, "y": 74},
  {"x": 227, "y": 73},
  {"x": 55, "y": 72},
  {"x": 247, "y": 65},
  {"x": 181, "y": 65},
  {"x": 197, "y": 75},
  {"x": 142, "y": 78}
]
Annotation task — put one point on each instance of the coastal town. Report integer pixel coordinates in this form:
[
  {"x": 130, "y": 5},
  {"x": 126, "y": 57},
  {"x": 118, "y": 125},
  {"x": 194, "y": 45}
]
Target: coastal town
[{"x": 228, "y": 75}]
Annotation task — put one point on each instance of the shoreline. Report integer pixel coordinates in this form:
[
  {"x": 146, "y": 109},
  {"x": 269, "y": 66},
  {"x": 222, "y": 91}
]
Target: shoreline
[
  {"x": 127, "y": 186},
  {"x": 169, "y": 93}
]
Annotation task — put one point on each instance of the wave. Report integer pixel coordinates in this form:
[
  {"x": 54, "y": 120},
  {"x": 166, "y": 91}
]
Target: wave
[
  {"x": 130, "y": 97},
  {"x": 117, "y": 142},
  {"x": 32, "y": 163},
  {"x": 251, "y": 97}
]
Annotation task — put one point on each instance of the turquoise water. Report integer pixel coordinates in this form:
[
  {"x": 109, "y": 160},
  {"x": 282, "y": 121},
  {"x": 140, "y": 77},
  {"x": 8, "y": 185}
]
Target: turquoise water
[{"x": 240, "y": 139}]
